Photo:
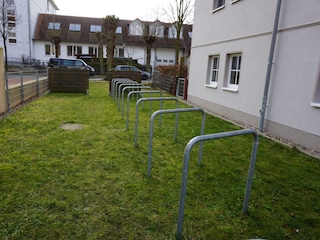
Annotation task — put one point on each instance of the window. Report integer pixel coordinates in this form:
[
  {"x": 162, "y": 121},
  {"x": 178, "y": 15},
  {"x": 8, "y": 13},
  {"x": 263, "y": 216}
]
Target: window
[
  {"x": 316, "y": 96},
  {"x": 74, "y": 27},
  {"x": 74, "y": 50},
  {"x": 54, "y": 26},
  {"x": 136, "y": 28},
  {"x": 12, "y": 37},
  {"x": 213, "y": 71},
  {"x": 10, "y": 2},
  {"x": 121, "y": 52},
  {"x": 218, "y": 4},
  {"x": 156, "y": 29},
  {"x": 95, "y": 28},
  {"x": 50, "y": 50},
  {"x": 233, "y": 76},
  {"x": 93, "y": 51},
  {"x": 172, "y": 32},
  {"x": 119, "y": 30}
]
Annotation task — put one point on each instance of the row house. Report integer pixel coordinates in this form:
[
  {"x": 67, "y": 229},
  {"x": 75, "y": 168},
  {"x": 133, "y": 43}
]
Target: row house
[{"x": 79, "y": 37}]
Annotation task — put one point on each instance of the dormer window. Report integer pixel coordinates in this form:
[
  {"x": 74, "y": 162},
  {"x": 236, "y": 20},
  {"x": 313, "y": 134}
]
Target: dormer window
[
  {"x": 156, "y": 29},
  {"x": 54, "y": 26},
  {"x": 136, "y": 28},
  {"x": 172, "y": 33},
  {"x": 95, "y": 28},
  {"x": 74, "y": 27},
  {"x": 119, "y": 30}
]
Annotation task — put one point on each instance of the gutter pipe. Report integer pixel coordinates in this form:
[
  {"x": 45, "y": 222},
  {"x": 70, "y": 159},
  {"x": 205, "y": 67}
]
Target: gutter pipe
[{"x": 270, "y": 62}]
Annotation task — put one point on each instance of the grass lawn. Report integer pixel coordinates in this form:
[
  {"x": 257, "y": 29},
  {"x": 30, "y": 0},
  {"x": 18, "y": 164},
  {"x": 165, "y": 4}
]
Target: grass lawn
[{"x": 92, "y": 184}]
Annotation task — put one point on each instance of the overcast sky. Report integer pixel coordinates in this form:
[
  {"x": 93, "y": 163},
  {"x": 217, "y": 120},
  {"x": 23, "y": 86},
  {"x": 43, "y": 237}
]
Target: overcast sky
[{"x": 147, "y": 10}]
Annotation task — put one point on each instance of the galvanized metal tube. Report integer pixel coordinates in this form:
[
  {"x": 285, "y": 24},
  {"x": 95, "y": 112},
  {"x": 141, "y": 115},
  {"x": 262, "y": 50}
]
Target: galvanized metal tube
[
  {"x": 176, "y": 111},
  {"x": 128, "y": 102},
  {"x": 137, "y": 112},
  {"x": 270, "y": 62},
  {"x": 131, "y": 87},
  {"x": 187, "y": 151}
]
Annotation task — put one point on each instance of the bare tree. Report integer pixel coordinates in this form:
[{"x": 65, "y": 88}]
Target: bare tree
[
  {"x": 52, "y": 31},
  {"x": 179, "y": 11},
  {"x": 149, "y": 38},
  {"x": 8, "y": 22},
  {"x": 110, "y": 26},
  {"x": 101, "y": 37}
]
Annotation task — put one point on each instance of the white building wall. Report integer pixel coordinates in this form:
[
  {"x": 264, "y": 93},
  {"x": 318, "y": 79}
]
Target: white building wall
[
  {"x": 246, "y": 27},
  {"x": 26, "y": 15}
]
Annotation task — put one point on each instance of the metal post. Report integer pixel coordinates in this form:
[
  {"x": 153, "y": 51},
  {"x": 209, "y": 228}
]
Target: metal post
[
  {"x": 130, "y": 87},
  {"x": 179, "y": 110},
  {"x": 37, "y": 83},
  {"x": 128, "y": 102},
  {"x": 187, "y": 151},
  {"x": 21, "y": 87},
  {"x": 7, "y": 91},
  {"x": 137, "y": 112},
  {"x": 270, "y": 62}
]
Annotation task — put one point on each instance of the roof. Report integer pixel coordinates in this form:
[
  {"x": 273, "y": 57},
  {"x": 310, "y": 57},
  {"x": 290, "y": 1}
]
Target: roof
[{"x": 84, "y": 36}]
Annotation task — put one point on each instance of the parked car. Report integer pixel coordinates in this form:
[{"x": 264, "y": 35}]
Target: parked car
[
  {"x": 71, "y": 63},
  {"x": 144, "y": 75}
]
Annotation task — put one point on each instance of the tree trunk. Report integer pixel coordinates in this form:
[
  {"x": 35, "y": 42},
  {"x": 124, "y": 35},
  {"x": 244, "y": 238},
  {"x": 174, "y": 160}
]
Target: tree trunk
[
  {"x": 102, "y": 71},
  {"x": 148, "y": 67}
]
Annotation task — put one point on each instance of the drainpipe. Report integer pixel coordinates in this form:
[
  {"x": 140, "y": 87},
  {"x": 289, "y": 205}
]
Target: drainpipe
[
  {"x": 271, "y": 53},
  {"x": 30, "y": 32}
]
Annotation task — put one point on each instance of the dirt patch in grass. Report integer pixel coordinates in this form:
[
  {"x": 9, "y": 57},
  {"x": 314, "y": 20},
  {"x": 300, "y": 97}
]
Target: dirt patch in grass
[{"x": 71, "y": 126}]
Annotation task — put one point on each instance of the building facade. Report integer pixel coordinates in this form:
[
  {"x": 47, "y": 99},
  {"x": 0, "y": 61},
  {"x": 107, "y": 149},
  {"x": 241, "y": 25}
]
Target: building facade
[
  {"x": 230, "y": 63},
  {"x": 22, "y": 17},
  {"x": 78, "y": 37}
]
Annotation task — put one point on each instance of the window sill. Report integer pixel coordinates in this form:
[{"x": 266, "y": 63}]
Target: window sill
[
  {"x": 234, "y": 1},
  {"x": 230, "y": 89},
  {"x": 217, "y": 9},
  {"x": 211, "y": 86},
  {"x": 317, "y": 105}
]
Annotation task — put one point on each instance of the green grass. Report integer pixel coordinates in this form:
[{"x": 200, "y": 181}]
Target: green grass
[{"x": 91, "y": 183}]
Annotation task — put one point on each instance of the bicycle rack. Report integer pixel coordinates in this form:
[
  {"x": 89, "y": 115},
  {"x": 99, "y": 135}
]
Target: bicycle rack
[
  {"x": 118, "y": 83},
  {"x": 207, "y": 137},
  {"x": 138, "y": 92},
  {"x": 129, "y": 87},
  {"x": 137, "y": 112},
  {"x": 125, "y": 85},
  {"x": 116, "y": 80},
  {"x": 180, "y": 110}
]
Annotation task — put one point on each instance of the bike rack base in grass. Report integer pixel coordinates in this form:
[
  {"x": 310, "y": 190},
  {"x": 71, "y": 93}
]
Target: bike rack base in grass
[{"x": 207, "y": 137}]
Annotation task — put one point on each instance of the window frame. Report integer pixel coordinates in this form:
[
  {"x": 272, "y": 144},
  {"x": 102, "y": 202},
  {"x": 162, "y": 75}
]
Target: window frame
[
  {"x": 136, "y": 28},
  {"x": 74, "y": 27},
  {"x": 316, "y": 95},
  {"x": 213, "y": 71},
  {"x": 75, "y": 50},
  {"x": 231, "y": 69},
  {"x": 54, "y": 26},
  {"x": 95, "y": 28},
  {"x": 217, "y": 5}
]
